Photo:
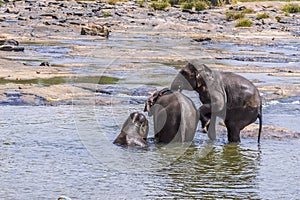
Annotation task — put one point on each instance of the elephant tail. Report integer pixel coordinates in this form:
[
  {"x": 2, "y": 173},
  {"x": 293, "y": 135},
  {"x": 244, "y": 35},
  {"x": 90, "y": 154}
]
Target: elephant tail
[{"x": 260, "y": 123}]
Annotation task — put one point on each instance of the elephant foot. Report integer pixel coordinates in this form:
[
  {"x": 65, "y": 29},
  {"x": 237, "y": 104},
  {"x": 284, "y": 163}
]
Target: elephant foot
[{"x": 206, "y": 126}]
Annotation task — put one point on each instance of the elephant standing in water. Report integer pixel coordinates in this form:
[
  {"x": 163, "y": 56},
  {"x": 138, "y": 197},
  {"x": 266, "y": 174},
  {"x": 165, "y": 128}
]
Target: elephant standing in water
[
  {"x": 223, "y": 94},
  {"x": 175, "y": 116},
  {"x": 134, "y": 131}
]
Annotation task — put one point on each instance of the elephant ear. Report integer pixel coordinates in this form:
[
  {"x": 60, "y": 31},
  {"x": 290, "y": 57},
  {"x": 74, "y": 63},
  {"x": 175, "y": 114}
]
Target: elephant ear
[
  {"x": 207, "y": 73},
  {"x": 150, "y": 102},
  {"x": 154, "y": 97}
]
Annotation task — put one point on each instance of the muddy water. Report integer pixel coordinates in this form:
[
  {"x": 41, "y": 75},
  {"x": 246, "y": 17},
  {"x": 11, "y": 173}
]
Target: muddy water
[{"x": 67, "y": 150}]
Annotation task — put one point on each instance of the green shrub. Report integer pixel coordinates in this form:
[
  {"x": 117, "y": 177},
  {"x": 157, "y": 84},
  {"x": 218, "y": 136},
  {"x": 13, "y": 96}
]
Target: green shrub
[
  {"x": 244, "y": 22},
  {"x": 291, "y": 8},
  {"x": 160, "y": 5},
  {"x": 262, "y": 16},
  {"x": 200, "y": 5},
  {"x": 187, "y": 5},
  {"x": 234, "y": 15}
]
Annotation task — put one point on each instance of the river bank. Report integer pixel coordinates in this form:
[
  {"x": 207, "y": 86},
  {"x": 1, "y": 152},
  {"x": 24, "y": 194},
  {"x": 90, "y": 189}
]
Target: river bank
[{"x": 50, "y": 30}]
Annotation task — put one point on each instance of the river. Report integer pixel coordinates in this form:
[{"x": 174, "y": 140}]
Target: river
[{"x": 49, "y": 151}]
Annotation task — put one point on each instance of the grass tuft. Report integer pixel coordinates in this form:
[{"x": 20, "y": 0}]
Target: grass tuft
[
  {"x": 106, "y": 14},
  {"x": 291, "y": 8},
  {"x": 233, "y": 15},
  {"x": 163, "y": 5},
  {"x": 244, "y": 22},
  {"x": 200, "y": 5},
  {"x": 278, "y": 19},
  {"x": 174, "y": 2},
  {"x": 187, "y": 5},
  {"x": 248, "y": 11},
  {"x": 197, "y": 5},
  {"x": 114, "y": 2},
  {"x": 262, "y": 16}
]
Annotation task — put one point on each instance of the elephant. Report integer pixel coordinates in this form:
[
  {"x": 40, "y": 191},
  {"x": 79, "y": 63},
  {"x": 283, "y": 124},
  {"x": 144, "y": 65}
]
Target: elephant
[
  {"x": 134, "y": 131},
  {"x": 223, "y": 94},
  {"x": 174, "y": 114}
]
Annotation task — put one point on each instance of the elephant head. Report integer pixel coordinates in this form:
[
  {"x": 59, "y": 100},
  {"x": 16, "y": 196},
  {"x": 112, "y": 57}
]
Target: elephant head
[
  {"x": 153, "y": 98},
  {"x": 134, "y": 131},
  {"x": 194, "y": 76}
]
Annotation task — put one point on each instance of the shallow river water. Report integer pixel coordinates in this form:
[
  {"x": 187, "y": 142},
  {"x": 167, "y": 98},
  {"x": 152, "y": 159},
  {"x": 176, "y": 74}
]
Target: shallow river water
[
  {"x": 48, "y": 151},
  {"x": 65, "y": 150}
]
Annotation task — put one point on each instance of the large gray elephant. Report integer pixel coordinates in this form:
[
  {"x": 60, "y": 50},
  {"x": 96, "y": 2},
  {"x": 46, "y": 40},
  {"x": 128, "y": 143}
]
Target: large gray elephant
[
  {"x": 227, "y": 95},
  {"x": 175, "y": 116},
  {"x": 134, "y": 131}
]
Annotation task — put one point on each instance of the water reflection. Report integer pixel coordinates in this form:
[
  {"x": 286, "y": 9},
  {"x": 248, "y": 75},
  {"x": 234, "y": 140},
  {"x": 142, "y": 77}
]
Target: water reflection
[{"x": 227, "y": 171}]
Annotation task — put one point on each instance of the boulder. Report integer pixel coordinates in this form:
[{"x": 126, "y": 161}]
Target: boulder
[{"x": 95, "y": 30}]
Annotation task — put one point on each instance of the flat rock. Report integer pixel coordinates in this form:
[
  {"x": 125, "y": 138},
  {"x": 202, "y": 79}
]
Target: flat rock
[{"x": 270, "y": 132}]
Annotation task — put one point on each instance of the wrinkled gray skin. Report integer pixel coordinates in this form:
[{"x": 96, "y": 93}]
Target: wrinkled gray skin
[
  {"x": 227, "y": 95},
  {"x": 134, "y": 131},
  {"x": 175, "y": 116}
]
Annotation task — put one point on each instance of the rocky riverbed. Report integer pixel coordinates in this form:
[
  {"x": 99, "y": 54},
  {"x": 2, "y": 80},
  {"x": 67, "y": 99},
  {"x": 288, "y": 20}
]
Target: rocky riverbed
[{"x": 88, "y": 52}]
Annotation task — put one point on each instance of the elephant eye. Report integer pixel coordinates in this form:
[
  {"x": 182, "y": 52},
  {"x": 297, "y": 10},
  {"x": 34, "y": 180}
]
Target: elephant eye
[{"x": 191, "y": 76}]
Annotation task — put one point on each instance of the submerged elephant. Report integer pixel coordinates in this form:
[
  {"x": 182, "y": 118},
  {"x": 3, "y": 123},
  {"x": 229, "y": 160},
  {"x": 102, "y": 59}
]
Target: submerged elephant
[
  {"x": 175, "y": 116},
  {"x": 223, "y": 94},
  {"x": 134, "y": 131}
]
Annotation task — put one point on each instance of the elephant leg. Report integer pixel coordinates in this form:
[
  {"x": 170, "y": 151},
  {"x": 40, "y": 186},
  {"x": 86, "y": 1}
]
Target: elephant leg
[
  {"x": 205, "y": 115},
  {"x": 233, "y": 132},
  {"x": 212, "y": 127},
  {"x": 237, "y": 119}
]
